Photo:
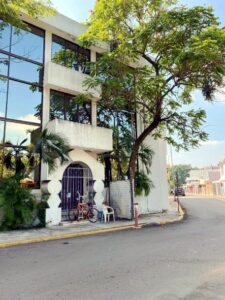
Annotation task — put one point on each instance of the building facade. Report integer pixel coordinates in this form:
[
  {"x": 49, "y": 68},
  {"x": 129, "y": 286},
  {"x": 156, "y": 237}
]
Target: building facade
[
  {"x": 201, "y": 181},
  {"x": 219, "y": 185},
  {"x": 38, "y": 85}
]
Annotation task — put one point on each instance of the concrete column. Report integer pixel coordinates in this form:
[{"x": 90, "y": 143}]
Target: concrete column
[
  {"x": 94, "y": 113},
  {"x": 45, "y": 107},
  {"x": 48, "y": 46},
  {"x": 46, "y": 91},
  {"x": 93, "y": 56},
  {"x": 45, "y": 120},
  {"x": 46, "y": 97}
]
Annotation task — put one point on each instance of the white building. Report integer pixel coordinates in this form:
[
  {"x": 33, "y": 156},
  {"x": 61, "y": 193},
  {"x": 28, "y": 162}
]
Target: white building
[
  {"x": 219, "y": 185},
  {"x": 36, "y": 92}
]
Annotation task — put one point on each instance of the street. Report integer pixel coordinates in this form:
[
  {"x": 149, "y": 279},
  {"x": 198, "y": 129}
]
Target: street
[{"x": 180, "y": 261}]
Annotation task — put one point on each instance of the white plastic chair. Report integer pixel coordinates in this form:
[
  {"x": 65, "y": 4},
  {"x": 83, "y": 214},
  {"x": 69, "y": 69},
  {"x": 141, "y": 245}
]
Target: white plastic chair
[{"x": 107, "y": 212}]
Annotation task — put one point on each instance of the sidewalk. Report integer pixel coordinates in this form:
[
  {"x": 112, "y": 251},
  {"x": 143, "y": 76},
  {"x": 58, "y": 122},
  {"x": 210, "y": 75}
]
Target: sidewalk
[{"x": 84, "y": 228}]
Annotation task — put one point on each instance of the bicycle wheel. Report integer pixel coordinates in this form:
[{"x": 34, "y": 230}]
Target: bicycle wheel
[
  {"x": 92, "y": 214},
  {"x": 72, "y": 215}
]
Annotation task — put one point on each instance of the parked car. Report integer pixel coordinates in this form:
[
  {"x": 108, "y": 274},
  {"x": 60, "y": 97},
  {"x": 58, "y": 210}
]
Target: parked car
[{"x": 179, "y": 191}]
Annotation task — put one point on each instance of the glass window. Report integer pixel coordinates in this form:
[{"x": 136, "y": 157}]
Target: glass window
[
  {"x": 30, "y": 72},
  {"x": 57, "y": 50},
  {"x": 16, "y": 133},
  {"x": 3, "y": 93},
  {"x": 70, "y": 55},
  {"x": 57, "y": 110},
  {"x": 64, "y": 106},
  {"x": 29, "y": 44},
  {"x": 4, "y": 36},
  {"x": 24, "y": 102},
  {"x": 78, "y": 112},
  {"x": 4, "y": 63}
]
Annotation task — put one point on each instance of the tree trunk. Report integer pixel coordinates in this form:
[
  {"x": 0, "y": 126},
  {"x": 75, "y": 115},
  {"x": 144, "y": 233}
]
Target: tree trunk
[
  {"x": 134, "y": 157},
  {"x": 137, "y": 144}
]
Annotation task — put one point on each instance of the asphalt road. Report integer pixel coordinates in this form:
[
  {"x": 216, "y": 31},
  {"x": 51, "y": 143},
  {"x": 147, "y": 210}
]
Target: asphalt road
[{"x": 179, "y": 261}]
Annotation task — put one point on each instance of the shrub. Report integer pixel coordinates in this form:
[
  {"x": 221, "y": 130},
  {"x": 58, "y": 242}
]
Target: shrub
[
  {"x": 142, "y": 184},
  {"x": 17, "y": 203}
]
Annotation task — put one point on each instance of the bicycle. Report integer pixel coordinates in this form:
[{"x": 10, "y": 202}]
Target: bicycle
[{"x": 84, "y": 211}]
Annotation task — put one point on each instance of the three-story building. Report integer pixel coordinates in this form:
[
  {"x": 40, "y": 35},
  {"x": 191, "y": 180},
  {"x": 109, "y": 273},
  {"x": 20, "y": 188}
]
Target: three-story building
[{"x": 38, "y": 88}]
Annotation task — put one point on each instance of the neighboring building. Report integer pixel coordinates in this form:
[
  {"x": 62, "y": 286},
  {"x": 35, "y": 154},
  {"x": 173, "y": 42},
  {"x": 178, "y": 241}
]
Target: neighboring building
[
  {"x": 37, "y": 88},
  {"x": 219, "y": 185},
  {"x": 200, "y": 181}
]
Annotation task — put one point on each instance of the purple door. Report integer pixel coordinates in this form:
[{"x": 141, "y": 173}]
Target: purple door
[{"x": 76, "y": 180}]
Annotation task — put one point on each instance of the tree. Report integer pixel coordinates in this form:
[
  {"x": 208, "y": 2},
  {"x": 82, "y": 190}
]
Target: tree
[
  {"x": 51, "y": 146},
  {"x": 21, "y": 160},
  {"x": 10, "y": 11},
  {"x": 160, "y": 53},
  {"x": 182, "y": 172}
]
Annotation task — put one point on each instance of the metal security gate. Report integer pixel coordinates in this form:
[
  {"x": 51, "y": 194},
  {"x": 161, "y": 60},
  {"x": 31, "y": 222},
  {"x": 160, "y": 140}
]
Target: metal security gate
[{"x": 77, "y": 185}]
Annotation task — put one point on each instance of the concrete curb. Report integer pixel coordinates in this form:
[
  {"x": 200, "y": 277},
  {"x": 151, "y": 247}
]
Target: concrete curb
[
  {"x": 87, "y": 233},
  {"x": 63, "y": 236}
]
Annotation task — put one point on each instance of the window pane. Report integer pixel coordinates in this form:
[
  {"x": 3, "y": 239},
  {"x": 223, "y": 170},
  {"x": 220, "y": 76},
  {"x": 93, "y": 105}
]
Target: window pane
[
  {"x": 4, "y": 63},
  {"x": 3, "y": 92},
  {"x": 24, "y": 102},
  {"x": 16, "y": 133},
  {"x": 30, "y": 72},
  {"x": 58, "y": 53},
  {"x": 70, "y": 55},
  {"x": 57, "y": 46},
  {"x": 64, "y": 106},
  {"x": 77, "y": 112},
  {"x": 57, "y": 105},
  {"x": 27, "y": 44},
  {"x": 4, "y": 36},
  {"x": 1, "y": 132}
]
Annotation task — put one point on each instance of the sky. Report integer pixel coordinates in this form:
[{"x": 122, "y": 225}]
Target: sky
[{"x": 211, "y": 151}]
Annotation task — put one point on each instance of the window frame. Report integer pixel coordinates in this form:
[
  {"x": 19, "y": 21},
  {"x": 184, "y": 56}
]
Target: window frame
[
  {"x": 66, "y": 98},
  {"x": 68, "y": 45}
]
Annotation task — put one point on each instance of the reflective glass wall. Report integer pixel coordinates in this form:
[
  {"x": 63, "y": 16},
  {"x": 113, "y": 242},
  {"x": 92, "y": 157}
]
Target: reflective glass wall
[{"x": 21, "y": 79}]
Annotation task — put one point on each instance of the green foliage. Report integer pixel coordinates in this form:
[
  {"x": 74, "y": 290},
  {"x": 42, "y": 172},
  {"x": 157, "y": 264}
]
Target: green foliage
[
  {"x": 182, "y": 171},
  {"x": 146, "y": 154},
  {"x": 10, "y": 11},
  {"x": 21, "y": 160},
  {"x": 182, "y": 49},
  {"x": 51, "y": 147},
  {"x": 143, "y": 184},
  {"x": 17, "y": 204}
]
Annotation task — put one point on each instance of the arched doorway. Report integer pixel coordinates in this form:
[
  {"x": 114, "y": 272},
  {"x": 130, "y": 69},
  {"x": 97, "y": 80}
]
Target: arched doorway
[{"x": 77, "y": 185}]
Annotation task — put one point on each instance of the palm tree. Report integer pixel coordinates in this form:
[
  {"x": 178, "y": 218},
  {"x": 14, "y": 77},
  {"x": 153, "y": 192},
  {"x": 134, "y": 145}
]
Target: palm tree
[
  {"x": 51, "y": 146},
  {"x": 48, "y": 146}
]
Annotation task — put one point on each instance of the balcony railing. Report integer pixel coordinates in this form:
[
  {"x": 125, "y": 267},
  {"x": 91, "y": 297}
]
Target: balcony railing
[{"x": 70, "y": 81}]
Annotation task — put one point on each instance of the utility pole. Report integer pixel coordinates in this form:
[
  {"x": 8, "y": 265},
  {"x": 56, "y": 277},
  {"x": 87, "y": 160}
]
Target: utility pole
[{"x": 176, "y": 197}]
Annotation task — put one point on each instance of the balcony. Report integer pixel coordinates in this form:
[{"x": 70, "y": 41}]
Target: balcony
[
  {"x": 67, "y": 80},
  {"x": 83, "y": 136}
]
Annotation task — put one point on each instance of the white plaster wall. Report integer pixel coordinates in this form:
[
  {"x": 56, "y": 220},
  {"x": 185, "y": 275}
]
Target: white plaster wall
[
  {"x": 157, "y": 200},
  {"x": 54, "y": 186},
  {"x": 120, "y": 198},
  {"x": 84, "y": 136},
  {"x": 78, "y": 155},
  {"x": 68, "y": 80}
]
